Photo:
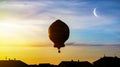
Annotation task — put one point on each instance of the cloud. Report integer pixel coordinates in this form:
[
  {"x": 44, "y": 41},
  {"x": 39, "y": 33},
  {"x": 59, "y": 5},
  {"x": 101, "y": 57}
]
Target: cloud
[
  {"x": 78, "y": 14},
  {"x": 74, "y": 44},
  {"x": 92, "y": 44}
]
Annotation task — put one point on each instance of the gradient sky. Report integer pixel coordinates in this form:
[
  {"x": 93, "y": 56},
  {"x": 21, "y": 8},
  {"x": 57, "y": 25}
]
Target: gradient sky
[
  {"x": 27, "y": 21},
  {"x": 24, "y": 29}
]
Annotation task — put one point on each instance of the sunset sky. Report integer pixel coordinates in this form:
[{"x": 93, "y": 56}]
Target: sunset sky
[{"x": 25, "y": 22}]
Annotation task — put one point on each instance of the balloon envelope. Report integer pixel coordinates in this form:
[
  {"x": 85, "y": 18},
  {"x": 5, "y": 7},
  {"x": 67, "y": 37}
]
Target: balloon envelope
[{"x": 58, "y": 33}]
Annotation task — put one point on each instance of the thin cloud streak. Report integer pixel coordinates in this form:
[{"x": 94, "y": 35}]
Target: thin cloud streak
[{"x": 84, "y": 44}]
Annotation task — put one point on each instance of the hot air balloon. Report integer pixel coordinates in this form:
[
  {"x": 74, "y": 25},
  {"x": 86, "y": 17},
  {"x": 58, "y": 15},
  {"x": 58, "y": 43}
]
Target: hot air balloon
[{"x": 58, "y": 33}]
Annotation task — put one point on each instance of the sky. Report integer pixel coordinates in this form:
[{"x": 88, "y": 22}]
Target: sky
[{"x": 26, "y": 22}]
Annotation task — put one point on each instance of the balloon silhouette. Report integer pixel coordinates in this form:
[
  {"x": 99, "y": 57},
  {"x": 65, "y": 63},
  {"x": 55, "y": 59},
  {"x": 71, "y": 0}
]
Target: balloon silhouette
[{"x": 58, "y": 34}]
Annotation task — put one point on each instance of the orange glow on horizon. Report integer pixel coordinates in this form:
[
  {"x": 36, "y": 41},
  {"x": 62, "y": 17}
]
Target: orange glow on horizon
[{"x": 46, "y": 54}]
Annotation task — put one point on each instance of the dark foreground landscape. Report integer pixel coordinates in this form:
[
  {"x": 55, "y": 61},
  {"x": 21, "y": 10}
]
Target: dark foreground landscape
[{"x": 102, "y": 62}]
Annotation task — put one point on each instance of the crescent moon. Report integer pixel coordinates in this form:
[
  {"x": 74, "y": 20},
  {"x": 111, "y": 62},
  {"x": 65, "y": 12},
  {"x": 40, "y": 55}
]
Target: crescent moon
[{"x": 94, "y": 12}]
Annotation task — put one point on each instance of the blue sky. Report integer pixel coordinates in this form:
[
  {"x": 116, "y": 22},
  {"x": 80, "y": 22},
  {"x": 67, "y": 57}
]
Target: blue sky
[{"x": 85, "y": 28}]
